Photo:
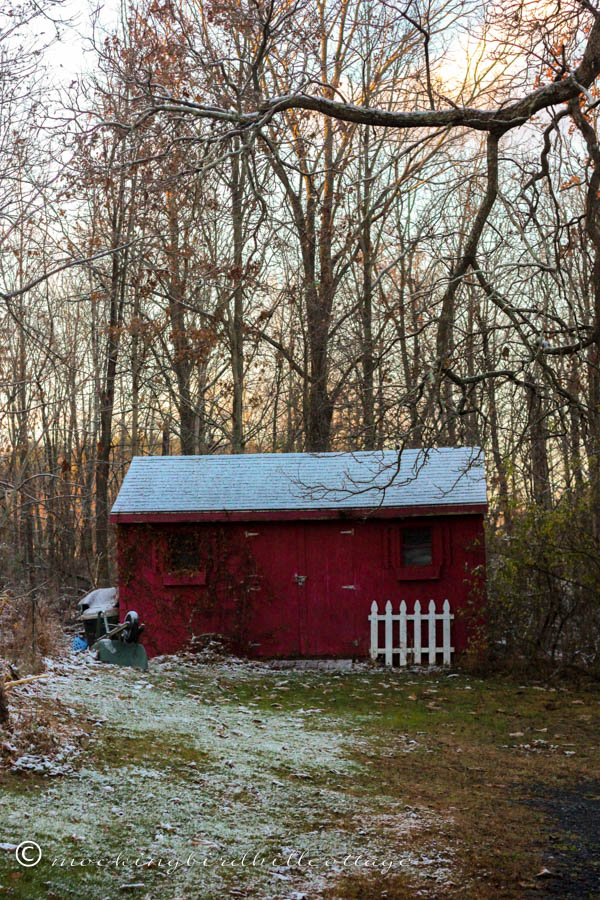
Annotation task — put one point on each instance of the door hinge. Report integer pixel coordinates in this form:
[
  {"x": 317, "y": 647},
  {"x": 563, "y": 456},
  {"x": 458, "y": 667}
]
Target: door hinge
[{"x": 348, "y": 587}]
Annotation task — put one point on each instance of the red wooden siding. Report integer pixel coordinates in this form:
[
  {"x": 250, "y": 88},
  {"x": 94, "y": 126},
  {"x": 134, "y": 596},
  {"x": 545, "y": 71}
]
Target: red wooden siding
[{"x": 247, "y": 579}]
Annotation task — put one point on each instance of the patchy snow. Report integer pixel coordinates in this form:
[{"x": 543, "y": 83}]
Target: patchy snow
[
  {"x": 226, "y": 794},
  {"x": 40, "y": 738},
  {"x": 44, "y": 765}
]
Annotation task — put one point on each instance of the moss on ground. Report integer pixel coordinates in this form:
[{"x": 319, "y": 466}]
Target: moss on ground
[{"x": 151, "y": 749}]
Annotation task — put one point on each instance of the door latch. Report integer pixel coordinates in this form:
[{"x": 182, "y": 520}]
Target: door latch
[{"x": 300, "y": 579}]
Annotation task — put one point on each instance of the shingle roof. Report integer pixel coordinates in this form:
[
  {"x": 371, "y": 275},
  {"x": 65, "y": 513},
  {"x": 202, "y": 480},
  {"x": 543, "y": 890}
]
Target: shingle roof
[{"x": 302, "y": 481}]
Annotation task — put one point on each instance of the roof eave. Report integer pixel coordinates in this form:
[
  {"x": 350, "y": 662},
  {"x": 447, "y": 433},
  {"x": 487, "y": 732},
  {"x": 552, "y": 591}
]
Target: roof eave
[{"x": 281, "y": 515}]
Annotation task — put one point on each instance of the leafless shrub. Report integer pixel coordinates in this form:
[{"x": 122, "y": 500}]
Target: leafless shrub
[{"x": 29, "y": 631}]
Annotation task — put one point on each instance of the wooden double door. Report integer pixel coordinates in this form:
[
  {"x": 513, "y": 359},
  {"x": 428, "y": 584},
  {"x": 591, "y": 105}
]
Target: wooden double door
[{"x": 307, "y": 597}]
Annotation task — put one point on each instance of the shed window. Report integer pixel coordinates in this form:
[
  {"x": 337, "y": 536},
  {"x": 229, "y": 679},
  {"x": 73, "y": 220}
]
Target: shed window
[
  {"x": 184, "y": 554},
  {"x": 416, "y": 547}
]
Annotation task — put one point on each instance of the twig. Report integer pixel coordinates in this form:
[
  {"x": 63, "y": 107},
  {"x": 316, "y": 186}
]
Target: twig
[{"x": 8, "y": 684}]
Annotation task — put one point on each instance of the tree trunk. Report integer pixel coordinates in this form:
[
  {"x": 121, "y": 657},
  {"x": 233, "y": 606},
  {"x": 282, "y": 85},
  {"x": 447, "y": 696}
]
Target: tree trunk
[
  {"x": 237, "y": 325},
  {"x": 366, "y": 307},
  {"x": 538, "y": 436}
]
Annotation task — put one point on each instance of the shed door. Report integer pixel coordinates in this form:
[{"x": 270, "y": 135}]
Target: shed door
[
  {"x": 329, "y": 594},
  {"x": 278, "y": 550}
]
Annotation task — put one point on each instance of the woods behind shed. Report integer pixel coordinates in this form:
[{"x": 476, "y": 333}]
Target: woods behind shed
[{"x": 285, "y": 553}]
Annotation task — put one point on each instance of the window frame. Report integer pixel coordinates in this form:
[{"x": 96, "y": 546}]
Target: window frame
[
  {"x": 395, "y": 551},
  {"x": 428, "y": 543},
  {"x": 173, "y": 577}
]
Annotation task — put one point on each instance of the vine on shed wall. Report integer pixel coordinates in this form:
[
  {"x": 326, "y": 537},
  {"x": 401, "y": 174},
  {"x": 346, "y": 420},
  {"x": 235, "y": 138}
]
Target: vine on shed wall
[{"x": 231, "y": 575}]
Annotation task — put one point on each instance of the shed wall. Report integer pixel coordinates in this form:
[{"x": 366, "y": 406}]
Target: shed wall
[{"x": 290, "y": 588}]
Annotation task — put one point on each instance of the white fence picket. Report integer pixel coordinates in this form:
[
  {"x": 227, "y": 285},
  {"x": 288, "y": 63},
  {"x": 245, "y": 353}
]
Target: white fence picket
[
  {"x": 446, "y": 633},
  {"x": 418, "y": 618},
  {"x": 389, "y": 640},
  {"x": 432, "y": 636},
  {"x": 416, "y": 633},
  {"x": 403, "y": 633},
  {"x": 374, "y": 631}
]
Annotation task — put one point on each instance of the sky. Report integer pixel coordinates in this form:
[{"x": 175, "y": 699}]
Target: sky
[{"x": 71, "y": 55}]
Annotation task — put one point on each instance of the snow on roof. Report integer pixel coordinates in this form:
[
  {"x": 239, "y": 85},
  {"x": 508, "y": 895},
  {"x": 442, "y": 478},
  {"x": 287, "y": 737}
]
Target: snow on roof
[{"x": 303, "y": 481}]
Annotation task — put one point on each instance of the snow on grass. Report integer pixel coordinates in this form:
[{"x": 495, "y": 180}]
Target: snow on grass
[{"x": 189, "y": 767}]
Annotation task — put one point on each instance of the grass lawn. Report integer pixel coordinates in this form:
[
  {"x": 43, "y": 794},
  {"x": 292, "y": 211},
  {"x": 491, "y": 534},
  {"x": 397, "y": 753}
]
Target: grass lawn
[{"x": 238, "y": 780}]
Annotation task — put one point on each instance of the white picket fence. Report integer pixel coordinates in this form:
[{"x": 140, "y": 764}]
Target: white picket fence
[{"x": 415, "y": 653}]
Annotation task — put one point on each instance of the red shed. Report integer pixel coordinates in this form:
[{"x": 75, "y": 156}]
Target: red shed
[{"x": 285, "y": 553}]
